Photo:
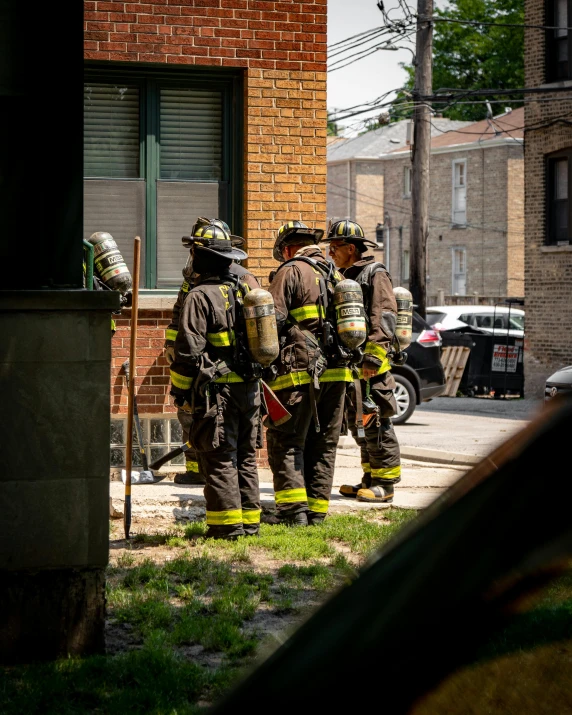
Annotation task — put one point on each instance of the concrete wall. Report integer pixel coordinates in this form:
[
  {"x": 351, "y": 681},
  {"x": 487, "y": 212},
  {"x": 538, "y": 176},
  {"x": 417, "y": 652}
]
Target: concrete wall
[
  {"x": 548, "y": 269},
  {"x": 54, "y": 481}
]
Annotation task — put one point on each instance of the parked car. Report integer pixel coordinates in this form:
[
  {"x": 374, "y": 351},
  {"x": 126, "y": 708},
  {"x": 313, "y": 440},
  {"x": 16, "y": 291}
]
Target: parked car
[
  {"x": 559, "y": 383},
  {"x": 493, "y": 319},
  {"x": 422, "y": 377}
]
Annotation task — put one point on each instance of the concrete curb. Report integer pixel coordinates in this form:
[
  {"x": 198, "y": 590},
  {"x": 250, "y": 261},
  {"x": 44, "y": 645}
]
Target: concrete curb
[{"x": 421, "y": 454}]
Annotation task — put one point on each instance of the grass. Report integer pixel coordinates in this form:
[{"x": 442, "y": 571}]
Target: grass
[{"x": 194, "y": 612}]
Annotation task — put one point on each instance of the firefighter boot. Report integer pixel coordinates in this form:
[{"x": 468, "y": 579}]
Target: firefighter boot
[
  {"x": 351, "y": 490},
  {"x": 377, "y": 492},
  {"x": 315, "y": 519}
]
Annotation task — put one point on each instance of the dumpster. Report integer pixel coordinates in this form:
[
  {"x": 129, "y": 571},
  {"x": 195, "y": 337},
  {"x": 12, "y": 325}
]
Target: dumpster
[{"x": 495, "y": 365}]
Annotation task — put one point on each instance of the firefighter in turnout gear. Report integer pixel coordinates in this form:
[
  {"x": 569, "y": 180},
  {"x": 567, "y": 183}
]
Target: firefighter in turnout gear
[
  {"x": 310, "y": 378},
  {"x": 380, "y": 454},
  {"x": 214, "y": 378},
  {"x": 192, "y": 474}
]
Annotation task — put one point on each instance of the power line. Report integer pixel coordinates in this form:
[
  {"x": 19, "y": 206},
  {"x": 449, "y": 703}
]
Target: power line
[{"x": 440, "y": 18}]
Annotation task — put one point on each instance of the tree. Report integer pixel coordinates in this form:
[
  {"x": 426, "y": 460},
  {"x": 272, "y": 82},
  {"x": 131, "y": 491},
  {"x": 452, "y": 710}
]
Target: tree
[
  {"x": 332, "y": 127},
  {"x": 473, "y": 57}
]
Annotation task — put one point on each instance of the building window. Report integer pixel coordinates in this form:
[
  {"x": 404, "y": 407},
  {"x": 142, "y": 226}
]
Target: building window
[
  {"x": 460, "y": 192},
  {"x": 158, "y": 153},
  {"x": 558, "y": 51},
  {"x": 459, "y": 283},
  {"x": 558, "y": 203},
  {"x": 160, "y": 435},
  {"x": 405, "y": 266},
  {"x": 406, "y": 181}
]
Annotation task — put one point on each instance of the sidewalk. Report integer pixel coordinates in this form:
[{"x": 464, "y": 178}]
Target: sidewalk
[{"x": 425, "y": 475}]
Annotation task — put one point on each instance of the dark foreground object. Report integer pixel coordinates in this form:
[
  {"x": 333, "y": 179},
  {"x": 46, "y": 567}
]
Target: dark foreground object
[{"x": 437, "y": 593}]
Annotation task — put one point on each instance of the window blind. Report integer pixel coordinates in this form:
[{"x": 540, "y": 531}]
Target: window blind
[
  {"x": 190, "y": 134},
  {"x": 111, "y": 131}
]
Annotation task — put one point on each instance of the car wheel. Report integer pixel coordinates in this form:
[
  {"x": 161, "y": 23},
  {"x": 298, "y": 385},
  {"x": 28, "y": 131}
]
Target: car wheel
[{"x": 405, "y": 398}]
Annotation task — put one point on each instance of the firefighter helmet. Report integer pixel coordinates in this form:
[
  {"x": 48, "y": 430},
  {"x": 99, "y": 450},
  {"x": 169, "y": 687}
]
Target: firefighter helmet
[
  {"x": 212, "y": 238},
  {"x": 201, "y": 221},
  {"x": 294, "y": 232},
  {"x": 350, "y": 232}
]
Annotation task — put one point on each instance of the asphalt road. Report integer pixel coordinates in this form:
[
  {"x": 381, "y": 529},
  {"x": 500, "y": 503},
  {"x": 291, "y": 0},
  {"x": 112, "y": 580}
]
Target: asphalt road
[{"x": 466, "y": 425}]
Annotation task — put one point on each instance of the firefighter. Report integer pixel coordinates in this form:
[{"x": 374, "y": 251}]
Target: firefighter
[
  {"x": 310, "y": 380},
  {"x": 191, "y": 474},
  {"x": 214, "y": 379},
  {"x": 380, "y": 454}
]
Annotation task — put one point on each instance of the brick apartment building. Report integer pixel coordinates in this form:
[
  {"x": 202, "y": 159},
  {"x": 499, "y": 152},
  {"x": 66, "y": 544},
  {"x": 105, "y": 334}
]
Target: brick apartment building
[
  {"x": 476, "y": 245},
  {"x": 201, "y": 107},
  {"x": 548, "y": 167}
]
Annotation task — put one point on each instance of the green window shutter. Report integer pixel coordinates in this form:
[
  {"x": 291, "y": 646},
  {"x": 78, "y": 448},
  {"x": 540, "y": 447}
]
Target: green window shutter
[
  {"x": 190, "y": 135},
  {"x": 111, "y": 131}
]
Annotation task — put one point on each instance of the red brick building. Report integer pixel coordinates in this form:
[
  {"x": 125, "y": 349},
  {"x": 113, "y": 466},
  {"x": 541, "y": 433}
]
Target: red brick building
[{"x": 197, "y": 107}]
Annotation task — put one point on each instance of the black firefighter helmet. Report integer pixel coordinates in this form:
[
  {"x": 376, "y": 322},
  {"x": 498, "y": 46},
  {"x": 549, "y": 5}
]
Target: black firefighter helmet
[
  {"x": 212, "y": 238},
  {"x": 294, "y": 232}
]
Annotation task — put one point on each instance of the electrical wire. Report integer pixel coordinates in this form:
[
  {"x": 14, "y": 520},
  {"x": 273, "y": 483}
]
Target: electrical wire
[{"x": 440, "y": 18}]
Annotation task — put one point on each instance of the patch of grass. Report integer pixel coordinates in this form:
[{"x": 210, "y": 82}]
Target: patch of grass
[
  {"x": 195, "y": 528},
  {"x": 318, "y": 576},
  {"x": 296, "y": 543},
  {"x": 152, "y": 680}
]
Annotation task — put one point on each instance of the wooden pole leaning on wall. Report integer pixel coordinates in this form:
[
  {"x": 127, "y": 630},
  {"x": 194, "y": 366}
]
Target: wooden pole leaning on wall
[{"x": 131, "y": 388}]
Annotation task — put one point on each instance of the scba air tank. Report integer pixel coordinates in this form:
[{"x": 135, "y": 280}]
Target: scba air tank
[
  {"x": 261, "y": 331},
  {"x": 404, "y": 323},
  {"x": 350, "y": 313},
  {"x": 108, "y": 262}
]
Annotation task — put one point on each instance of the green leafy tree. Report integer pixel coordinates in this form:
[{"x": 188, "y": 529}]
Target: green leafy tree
[
  {"x": 332, "y": 127},
  {"x": 473, "y": 57}
]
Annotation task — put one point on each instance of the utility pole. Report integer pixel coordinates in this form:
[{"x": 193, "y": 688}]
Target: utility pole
[{"x": 421, "y": 156}]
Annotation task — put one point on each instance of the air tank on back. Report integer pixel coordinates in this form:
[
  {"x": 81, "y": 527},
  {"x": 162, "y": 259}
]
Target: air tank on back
[
  {"x": 404, "y": 324},
  {"x": 261, "y": 330},
  {"x": 350, "y": 313},
  {"x": 108, "y": 262}
]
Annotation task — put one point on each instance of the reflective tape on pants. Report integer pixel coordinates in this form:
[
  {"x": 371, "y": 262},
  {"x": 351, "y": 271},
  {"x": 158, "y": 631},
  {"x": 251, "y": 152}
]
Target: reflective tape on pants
[
  {"x": 387, "y": 473},
  {"x": 291, "y": 496},
  {"x": 251, "y": 516},
  {"x": 318, "y": 505},
  {"x": 223, "y": 518}
]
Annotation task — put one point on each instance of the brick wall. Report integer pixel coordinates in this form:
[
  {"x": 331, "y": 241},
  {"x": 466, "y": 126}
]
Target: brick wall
[
  {"x": 548, "y": 269},
  {"x": 494, "y": 253},
  {"x": 281, "y": 47}
]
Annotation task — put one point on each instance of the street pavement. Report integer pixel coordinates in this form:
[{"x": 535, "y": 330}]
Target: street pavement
[{"x": 442, "y": 440}]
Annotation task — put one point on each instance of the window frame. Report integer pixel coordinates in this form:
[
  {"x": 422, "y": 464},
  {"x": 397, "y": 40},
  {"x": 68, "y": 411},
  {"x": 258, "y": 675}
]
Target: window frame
[
  {"x": 551, "y": 73},
  {"x": 150, "y": 79},
  {"x": 550, "y": 159},
  {"x": 455, "y": 163}
]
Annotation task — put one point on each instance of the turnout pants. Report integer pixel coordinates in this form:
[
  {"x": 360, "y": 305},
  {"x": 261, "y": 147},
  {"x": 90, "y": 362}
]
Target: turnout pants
[
  {"x": 301, "y": 459},
  {"x": 380, "y": 454},
  {"x": 191, "y": 463},
  {"x": 225, "y": 444}
]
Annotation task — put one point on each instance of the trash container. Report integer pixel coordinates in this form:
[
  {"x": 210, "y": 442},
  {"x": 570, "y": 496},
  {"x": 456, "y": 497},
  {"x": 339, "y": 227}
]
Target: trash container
[{"x": 495, "y": 364}]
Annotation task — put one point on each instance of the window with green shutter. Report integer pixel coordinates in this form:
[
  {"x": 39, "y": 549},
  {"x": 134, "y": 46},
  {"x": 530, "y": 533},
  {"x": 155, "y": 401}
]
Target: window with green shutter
[{"x": 160, "y": 149}]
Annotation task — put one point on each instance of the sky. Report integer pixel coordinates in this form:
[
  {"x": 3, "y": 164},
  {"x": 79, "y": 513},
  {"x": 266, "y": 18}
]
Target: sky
[{"x": 372, "y": 76}]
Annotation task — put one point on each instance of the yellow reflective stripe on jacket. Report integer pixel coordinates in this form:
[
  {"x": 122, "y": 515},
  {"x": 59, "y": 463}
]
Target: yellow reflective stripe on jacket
[
  {"x": 291, "y": 379},
  {"x": 376, "y": 350},
  {"x": 251, "y": 516},
  {"x": 113, "y": 324},
  {"x": 192, "y": 466},
  {"x": 302, "y": 377},
  {"x": 170, "y": 335},
  {"x": 224, "y": 339},
  {"x": 387, "y": 473},
  {"x": 290, "y": 496},
  {"x": 230, "y": 377},
  {"x": 222, "y": 518},
  {"x": 337, "y": 374},
  {"x": 318, "y": 505},
  {"x": 181, "y": 381},
  {"x": 366, "y": 467},
  {"x": 306, "y": 312}
]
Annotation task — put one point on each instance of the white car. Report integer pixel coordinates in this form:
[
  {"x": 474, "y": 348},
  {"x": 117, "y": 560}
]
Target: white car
[{"x": 490, "y": 318}]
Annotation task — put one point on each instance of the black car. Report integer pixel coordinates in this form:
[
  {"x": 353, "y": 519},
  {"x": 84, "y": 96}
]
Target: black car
[
  {"x": 422, "y": 377},
  {"x": 559, "y": 383}
]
